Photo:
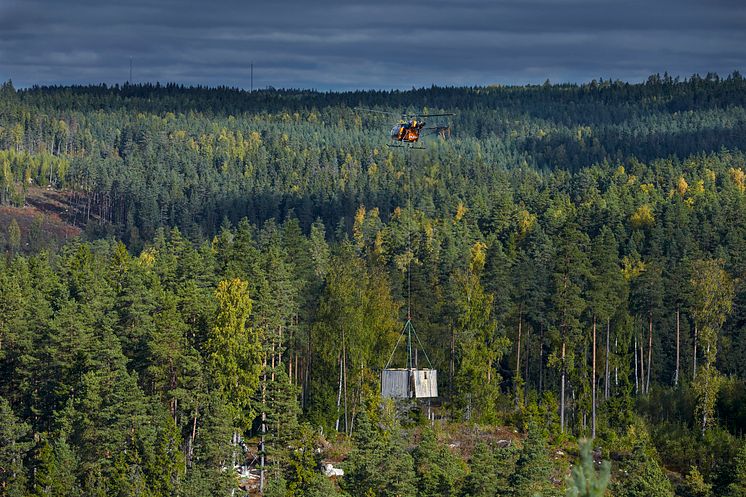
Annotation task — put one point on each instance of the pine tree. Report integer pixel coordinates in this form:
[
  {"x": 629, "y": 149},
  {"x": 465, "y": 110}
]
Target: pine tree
[
  {"x": 164, "y": 461},
  {"x": 606, "y": 293},
  {"x": 319, "y": 249},
  {"x": 105, "y": 419},
  {"x": 570, "y": 275},
  {"x": 646, "y": 302},
  {"x": 172, "y": 366}
]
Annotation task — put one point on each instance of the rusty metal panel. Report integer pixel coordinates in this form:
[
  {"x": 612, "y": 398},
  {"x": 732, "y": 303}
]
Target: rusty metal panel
[
  {"x": 395, "y": 383},
  {"x": 425, "y": 383}
]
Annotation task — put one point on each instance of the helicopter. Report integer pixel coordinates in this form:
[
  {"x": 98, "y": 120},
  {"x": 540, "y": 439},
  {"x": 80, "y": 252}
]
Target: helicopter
[{"x": 407, "y": 132}]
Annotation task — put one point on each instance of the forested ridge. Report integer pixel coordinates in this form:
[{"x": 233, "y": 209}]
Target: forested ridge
[{"x": 576, "y": 256}]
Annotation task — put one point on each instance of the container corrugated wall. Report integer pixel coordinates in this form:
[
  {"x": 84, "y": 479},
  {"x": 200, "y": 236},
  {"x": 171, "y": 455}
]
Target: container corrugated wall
[
  {"x": 395, "y": 383},
  {"x": 426, "y": 383}
]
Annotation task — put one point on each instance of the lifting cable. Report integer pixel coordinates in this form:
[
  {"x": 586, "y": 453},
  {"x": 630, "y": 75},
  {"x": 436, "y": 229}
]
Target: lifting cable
[{"x": 408, "y": 326}]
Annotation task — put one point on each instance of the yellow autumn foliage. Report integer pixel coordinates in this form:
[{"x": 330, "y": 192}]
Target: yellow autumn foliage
[
  {"x": 357, "y": 227},
  {"x": 478, "y": 256},
  {"x": 642, "y": 217},
  {"x": 738, "y": 177},
  {"x": 147, "y": 257},
  {"x": 378, "y": 245},
  {"x": 699, "y": 187},
  {"x": 460, "y": 211},
  {"x": 632, "y": 268},
  {"x": 526, "y": 221}
]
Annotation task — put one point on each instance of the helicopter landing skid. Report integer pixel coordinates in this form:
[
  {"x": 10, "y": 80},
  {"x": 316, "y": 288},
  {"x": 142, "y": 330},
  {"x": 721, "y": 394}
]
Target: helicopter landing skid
[{"x": 406, "y": 146}]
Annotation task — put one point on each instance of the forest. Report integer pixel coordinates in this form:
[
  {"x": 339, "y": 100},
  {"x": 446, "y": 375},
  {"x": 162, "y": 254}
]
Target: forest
[{"x": 572, "y": 257}]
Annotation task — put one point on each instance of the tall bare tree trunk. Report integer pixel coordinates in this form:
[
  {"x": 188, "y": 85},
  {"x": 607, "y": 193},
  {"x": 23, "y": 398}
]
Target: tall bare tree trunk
[
  {"x": 339, "y": 394},
  {"x": 708, "y": 375},
  {"x": 280, "y": 349},
  {"x": 190, "y": 455},
  {"x": 452, "y": 364},
  {"x": 616, "y": 365},
  {"x": 518, "y": 360},
  {"x": 650, "y": 350},
  {"x": 272, "y": 375},
  {"x": 642, "y": 363},
  {"x": 526, "y": 361},
  {"x": 264, "y": 427},
  {"x": 593, "y": 409},
  {"x": 344, "y": 381},
  {"x": 694, "y": 375},
  {"x": 562, "y": 392},
  {"x": 606, "y": 359},
  {"x": 637, "y": 378},
  {"x": 307, "y": 368},
  {"x": 541, "y": 360},
  {"x": 678, "y": 347}
]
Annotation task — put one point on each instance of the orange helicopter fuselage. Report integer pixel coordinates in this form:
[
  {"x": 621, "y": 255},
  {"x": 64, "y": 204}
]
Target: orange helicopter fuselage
[{"x": 407, "y": 132}]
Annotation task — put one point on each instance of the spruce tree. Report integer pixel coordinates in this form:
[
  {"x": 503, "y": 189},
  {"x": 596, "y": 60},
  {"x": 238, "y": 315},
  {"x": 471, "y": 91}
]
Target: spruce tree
[
  {"x": 304, "y": 478},
  {"x": 234, "y": 350},
  {"x": 282, "y": 414},
  {"x": 482, "y": 479},
  {"x": 479, "y": 345},
  {"x": 13, "y": 448},
  {"x": 585, "y": 481},
  {"x": 378, "y": 465},
  {"x": 643, "y": 475},
  {"x": 737, "y": 488},
  {"x": 533, "y": 467},
  {"x": 56, "y": 467},
  {"x": 695, "y": 485},
  {"x": 437, "y": 470}
]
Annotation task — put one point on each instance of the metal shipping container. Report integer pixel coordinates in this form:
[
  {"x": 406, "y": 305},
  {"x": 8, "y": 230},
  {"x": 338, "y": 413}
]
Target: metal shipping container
[
  {"x": 405, "y": 383},
  {"x": 426, "y": 383}
]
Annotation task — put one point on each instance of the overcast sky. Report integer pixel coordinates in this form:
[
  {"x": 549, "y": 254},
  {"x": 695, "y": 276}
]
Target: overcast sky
[{"x": 335, "y": 44}]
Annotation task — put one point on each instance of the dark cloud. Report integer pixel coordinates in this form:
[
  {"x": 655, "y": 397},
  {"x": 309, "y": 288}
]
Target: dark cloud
[{"x": 333, "y": 44}]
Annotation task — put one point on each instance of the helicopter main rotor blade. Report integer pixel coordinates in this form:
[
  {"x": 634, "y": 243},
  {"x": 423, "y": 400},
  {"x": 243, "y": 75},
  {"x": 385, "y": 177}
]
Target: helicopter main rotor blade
[
  {"x": 435, "y": 129},
  {"x": 402, "y": 114},
  {"x": 378, "y": 111},
  {"x": 432, "y": 115}
]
